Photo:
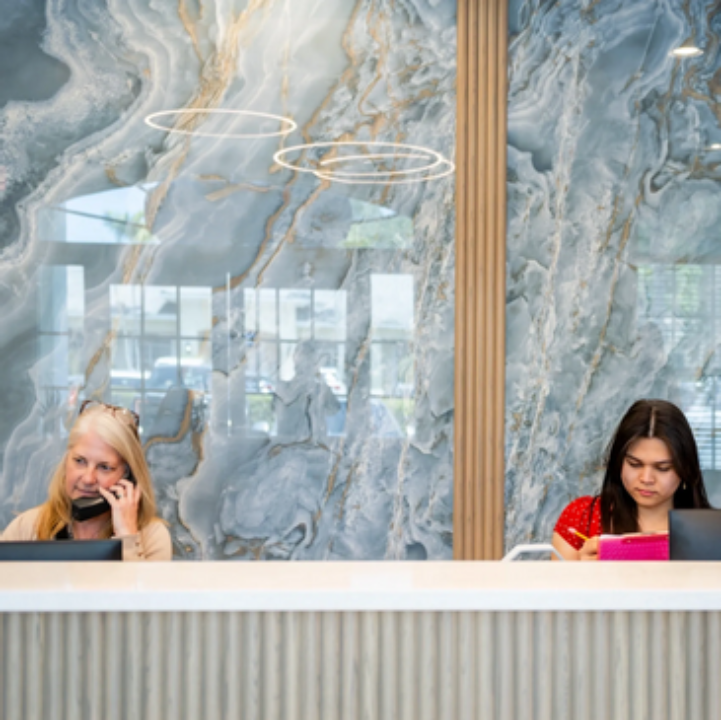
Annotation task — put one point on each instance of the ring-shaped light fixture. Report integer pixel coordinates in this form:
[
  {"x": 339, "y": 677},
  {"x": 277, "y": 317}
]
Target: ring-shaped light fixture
[
  {"x": 449, "y": 168},
  {"x": 686, "y": 51},
  {"x": 290, "y": 124},
  {"x": 412, "y": 151}
]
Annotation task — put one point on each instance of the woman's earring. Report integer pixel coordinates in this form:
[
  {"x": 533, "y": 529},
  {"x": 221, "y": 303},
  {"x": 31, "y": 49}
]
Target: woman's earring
[{"x": 684, "y": 484}]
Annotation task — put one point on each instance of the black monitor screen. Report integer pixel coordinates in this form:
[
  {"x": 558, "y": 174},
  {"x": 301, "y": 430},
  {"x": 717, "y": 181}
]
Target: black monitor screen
[
  {"x": 694, "y": 534},
  {"x": 61, "y": 550}
]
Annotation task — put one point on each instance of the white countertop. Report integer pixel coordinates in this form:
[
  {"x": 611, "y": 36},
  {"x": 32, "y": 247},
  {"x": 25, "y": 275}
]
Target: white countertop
[{"x": 305, "y": 586}]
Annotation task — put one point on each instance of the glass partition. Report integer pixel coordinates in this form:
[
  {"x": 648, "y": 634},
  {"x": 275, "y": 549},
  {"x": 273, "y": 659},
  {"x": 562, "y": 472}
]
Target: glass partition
[
  {"x": 237, "y": 220},
  {"x": 614, "y": 165}
]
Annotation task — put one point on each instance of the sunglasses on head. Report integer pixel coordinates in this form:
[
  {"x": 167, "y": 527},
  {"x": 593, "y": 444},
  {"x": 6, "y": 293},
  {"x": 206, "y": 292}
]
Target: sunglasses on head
[{"x": 127, "y": 416}]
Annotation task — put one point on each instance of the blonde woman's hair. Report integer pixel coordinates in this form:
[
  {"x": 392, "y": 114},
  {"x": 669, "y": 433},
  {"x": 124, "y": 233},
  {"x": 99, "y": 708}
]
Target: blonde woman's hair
[{"x": 114, "y": 426}]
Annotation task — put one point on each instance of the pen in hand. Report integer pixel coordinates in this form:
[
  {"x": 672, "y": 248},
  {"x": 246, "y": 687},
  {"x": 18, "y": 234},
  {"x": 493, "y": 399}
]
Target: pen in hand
[{"x": 578, "y": 534}]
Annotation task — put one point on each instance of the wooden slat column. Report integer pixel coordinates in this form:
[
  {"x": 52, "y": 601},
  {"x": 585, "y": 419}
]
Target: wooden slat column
[{"x": 480, "y": 278}]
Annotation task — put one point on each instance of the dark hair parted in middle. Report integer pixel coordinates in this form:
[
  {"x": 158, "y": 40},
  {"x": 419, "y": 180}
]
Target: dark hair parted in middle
[{"x": 650, "y": 419}]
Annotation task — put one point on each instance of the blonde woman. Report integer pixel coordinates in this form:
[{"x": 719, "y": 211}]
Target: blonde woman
[{"x": 100, "y": 489}]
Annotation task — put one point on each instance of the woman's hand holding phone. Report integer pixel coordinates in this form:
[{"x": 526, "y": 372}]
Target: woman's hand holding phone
[
  {"x": 123, "y": 498},
  {"x": 589, "y": 549}
]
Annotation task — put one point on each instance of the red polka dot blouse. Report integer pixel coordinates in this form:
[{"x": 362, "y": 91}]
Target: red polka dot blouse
[{"x": 584, "y": 515}]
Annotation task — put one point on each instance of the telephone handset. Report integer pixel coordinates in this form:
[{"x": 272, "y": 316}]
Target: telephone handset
[{"x": 89, "y": 507}]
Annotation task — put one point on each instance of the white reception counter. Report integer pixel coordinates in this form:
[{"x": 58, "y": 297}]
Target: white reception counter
[
  {"x": 359, "y": 586},
  {"x": 352, "y": 641}
]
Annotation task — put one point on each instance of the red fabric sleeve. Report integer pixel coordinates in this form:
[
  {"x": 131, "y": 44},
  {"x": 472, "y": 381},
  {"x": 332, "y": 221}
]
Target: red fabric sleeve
[{"x": 580, "y": 516}]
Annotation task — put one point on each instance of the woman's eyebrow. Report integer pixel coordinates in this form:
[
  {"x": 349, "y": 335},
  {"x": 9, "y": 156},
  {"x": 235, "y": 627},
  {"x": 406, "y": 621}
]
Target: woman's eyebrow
[{"x": 657, "y": 462}]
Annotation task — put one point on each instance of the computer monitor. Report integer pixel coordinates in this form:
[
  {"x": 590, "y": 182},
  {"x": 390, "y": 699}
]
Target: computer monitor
[
  {"x": 61, "y": 550},
  {"x": 694, "y": 534}
]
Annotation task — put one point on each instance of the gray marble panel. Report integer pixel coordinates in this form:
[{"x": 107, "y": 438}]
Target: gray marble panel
[
  {"x": 614, "y": 180},
  {"x": 287, "y": 338}
]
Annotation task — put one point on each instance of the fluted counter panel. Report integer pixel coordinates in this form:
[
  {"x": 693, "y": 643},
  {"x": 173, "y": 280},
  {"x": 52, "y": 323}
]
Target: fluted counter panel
[{"x": 427, "y": 665}]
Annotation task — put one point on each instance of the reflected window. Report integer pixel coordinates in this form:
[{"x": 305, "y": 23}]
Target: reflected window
[
  {"x": 108, "y": 217},
  {"x": 276, "y": 322},
  {"x": 61, "y": 318},
  {"x": 377, "y": 226},
  {"x": 162, "y": 341},
  {"x": 392, "y": 363},
  {"x": 683, "y": 304}
]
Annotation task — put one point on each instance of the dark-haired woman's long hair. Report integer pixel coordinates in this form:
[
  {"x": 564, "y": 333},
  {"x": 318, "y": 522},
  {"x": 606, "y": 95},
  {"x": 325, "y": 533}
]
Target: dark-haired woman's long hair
[{"x": 650, "y": 419}]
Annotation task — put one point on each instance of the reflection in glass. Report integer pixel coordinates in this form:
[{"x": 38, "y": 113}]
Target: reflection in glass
[
  {"x": 195, "y": 312},
  {"x": 267, "y": 304},
  {"x": 110, "y": 217},
  {"x": 286, "y": 363},
  {"x": 384, "y": 420},
  {"x": 160, "y": 310},
  {"x": 126, "y": 308},
  {"x": 260, "y": 369},
  {"x": 392, "y": 306},
  {"x": 294, "y": 312},
  {"x": 162, "y": 343},
  {"x": 391, "y": 369},
  {"x": 318, "y": 315},
  {"x": 329, "y": 314},
  {"x": 249, "y": 313},
  {"x": 682, "y": 302},
  {"x": 60, "y": 369}
]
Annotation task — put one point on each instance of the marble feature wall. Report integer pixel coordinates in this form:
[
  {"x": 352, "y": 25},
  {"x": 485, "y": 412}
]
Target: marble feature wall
[
  {"x": 614, "y": 238},
  {"x": 287, "y": 339}
]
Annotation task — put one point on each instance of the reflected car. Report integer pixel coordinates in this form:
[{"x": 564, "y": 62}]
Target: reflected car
[
  {"x": 125, "y": 386},
  {"x": 168, "y": 372},
  {"x": 126, "y": 379}
]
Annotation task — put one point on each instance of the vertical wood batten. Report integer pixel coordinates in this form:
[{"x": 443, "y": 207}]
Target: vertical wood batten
[
  {"x": 484, "y": 280},
  {"x": 498, "y": 329},
  {"x": 462, "y": 515},
  {"x": 475, "y": 414},
  {"x": 480, "y": 279}
]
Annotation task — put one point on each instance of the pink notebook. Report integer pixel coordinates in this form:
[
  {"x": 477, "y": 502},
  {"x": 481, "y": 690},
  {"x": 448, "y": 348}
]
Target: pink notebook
[{"x": 637, "y": 546}]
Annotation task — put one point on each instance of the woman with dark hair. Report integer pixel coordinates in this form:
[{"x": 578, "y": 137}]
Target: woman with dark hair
[{"x": 652, "y": 467}]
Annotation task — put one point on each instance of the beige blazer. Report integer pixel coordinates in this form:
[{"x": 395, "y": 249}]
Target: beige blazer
[{"x": 151, "y": 543}]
